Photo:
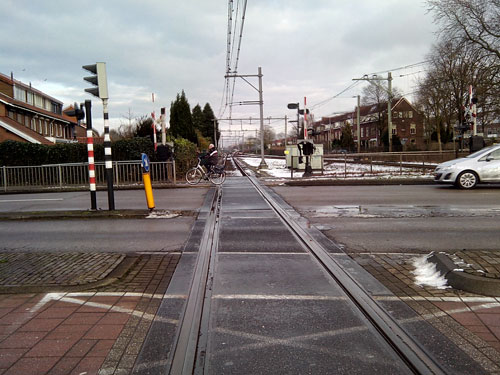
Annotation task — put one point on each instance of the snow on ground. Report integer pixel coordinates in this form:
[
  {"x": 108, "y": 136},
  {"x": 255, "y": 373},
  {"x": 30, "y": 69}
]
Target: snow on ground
[
  {"x": 277, "y": 168},
  {"x": 161, "y": 214},
  {"x": 426, "y": 274}
]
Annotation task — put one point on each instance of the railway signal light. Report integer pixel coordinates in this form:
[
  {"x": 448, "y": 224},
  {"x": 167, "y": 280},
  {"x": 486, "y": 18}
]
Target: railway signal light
[
  {"x": 99, "y": 80},
  {"x": 77, "y": 112}
]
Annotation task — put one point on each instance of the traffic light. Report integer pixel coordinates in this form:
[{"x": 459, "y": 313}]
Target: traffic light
[
  {"x": 77, "y": 112},
  {"x": 99, "y": 79}
]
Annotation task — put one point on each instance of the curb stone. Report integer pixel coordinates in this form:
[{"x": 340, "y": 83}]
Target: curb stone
[{"x": 464, "y": 281}]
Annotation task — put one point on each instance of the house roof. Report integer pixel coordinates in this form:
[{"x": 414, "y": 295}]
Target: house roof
[
  {"x": 23, "y": 132},
  {"x": 364, "y": 110},
  {"x": 12, "y": 81}
]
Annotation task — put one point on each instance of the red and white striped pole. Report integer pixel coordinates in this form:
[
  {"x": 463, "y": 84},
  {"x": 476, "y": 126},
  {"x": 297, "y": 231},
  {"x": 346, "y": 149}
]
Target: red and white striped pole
[
  {"x": 153, "y": 116},
  {"x": 90, "y": 152}
]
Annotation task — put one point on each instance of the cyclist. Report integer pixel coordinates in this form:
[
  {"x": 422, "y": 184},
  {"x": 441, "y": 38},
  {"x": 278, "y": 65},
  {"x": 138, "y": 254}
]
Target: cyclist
[{"x": 210, "y": 158}]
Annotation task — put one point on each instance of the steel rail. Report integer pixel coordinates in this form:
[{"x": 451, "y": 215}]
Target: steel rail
[
  {"x": 185, "y": 348},
  {"x": 417, "y": 358}
]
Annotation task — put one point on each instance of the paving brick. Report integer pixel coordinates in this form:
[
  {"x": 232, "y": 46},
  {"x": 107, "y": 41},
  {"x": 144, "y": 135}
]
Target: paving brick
[
  {"x": 57, "y": 312},
  {"x": 51, "y": 348},
  {"x": 41, "y": 324},
  {"x": 65, "y": 366},
  {"x": 88, "y": 366},
  {"x": 84, "y": 318},
  {"x": 115, "y": 318},
  {"x": 9, "y": 356},
  {"x": 81, "y": 348},
  {"x": 32, "y": 366},
  {"x": 101, "y": 348},
  {"x": 104, "y": 332},
  {"x": 22, "y": 340}
]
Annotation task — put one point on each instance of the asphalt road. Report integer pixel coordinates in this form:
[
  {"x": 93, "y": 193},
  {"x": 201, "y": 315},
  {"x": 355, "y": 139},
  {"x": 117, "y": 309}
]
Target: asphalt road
[
  {"x": 99, "y": 235},
  {"x": 401, "y": 218}
]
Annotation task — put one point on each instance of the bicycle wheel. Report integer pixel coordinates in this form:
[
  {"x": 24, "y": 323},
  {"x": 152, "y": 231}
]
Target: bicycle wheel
[
  {"x": 193, "y": 176},
  {"x": 217, "y": 178}
]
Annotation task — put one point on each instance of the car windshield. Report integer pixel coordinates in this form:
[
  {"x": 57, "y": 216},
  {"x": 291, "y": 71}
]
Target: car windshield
[{"x": 480, "y": 152}]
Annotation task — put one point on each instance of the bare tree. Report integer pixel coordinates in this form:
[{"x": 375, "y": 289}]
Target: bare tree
[
  {"x": 453, "y": 67},
  {"x": 474, "y": 21}
]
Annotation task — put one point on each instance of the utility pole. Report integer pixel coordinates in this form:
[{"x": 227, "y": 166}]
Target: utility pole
[
  {"x": 389, "y": 100},
  {"x": 260, "y": 102},
  {"x": 389, "y": 109},
  {"x": 262, "y": 164},
  {"x": 286, "y": 123},
  {"x": 358, "y": 122}
]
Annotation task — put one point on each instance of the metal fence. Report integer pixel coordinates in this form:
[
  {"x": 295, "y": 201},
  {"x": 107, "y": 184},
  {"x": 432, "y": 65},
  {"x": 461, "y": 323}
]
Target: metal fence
[{"x": 125, "y": 173}]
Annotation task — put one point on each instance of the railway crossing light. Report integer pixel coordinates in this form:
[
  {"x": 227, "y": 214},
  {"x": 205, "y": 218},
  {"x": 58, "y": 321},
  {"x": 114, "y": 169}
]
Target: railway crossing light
[
  {"x": 77, "y": 112},
  {"x": 99, "y": 80}
]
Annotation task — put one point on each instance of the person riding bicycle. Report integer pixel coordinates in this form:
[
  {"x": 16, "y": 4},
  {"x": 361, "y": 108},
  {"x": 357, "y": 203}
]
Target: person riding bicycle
[{"x": 210, "y": 158}]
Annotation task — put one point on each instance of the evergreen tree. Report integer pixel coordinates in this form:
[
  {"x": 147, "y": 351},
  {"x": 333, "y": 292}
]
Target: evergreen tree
[
  {"x": 207, "y": 130},
  {"x": 346, "y": 138},
  {"x": 198, "y": 118},
  {"x": 181, "y": 121}
]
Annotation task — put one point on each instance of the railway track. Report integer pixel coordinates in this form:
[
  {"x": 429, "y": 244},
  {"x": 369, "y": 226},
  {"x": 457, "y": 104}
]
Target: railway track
[{"x": 312, "y": 317}]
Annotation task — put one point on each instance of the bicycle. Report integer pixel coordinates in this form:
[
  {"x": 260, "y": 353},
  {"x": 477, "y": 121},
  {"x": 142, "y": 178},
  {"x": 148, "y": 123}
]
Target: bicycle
[{"x": 217, "y": 175}]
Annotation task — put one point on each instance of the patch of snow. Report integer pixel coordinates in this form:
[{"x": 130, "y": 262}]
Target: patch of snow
[
  {"x": 277, "y": 169},
  {"x": 426, "y": 274},
  {"x": 161, "y": 215}
]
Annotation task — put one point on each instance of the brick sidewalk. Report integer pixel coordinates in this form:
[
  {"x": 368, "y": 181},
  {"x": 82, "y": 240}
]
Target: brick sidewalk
[
  {"x": 83, "y": 332},
  {"x": 471, "y": 321}
]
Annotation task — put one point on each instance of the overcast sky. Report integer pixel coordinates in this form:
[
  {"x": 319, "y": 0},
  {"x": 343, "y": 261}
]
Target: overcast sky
[{"x": 306, "y": 48}]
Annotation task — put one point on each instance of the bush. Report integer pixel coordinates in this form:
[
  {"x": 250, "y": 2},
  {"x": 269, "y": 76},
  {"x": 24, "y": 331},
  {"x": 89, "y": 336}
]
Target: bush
[
  {"x": 14, "y": 153},
  {"x": 185, "y": 155}
]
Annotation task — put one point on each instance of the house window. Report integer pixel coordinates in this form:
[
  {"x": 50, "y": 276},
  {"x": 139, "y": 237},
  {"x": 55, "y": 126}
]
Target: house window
[
  {"x": 38, "y": 101},
  {"x": 19, "y": 94},
  {"x": 410, "y": 114},
  {"x": 27, "y": 121},
  {"x": 20, "y": 118},
  {"x": 413, "y": 129},
  {"x": 362, "y": 132},
  {"x": 394, "y": 132},
  {"x": 51, "y": 129},
  {"x": 29, "y": 98}
]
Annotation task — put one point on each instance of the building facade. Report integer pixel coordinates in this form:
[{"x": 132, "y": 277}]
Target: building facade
[
  {"x": 29, "y": 115},
  {"x": 407, "y": 126}
]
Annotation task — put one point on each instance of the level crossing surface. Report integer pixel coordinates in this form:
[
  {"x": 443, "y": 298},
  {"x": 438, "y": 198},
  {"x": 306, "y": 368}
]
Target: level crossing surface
[{"x": 267, "y": 305}]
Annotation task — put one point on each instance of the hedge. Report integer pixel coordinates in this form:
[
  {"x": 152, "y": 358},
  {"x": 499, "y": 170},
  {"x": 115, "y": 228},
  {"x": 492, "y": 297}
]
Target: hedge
[{"x": 14, "y": 153}]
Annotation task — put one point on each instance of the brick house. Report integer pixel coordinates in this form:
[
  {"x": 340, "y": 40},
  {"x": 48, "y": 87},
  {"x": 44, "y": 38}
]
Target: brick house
[
  {"x": 29, "y": 115},
  {"x": 407, "y": 125}
]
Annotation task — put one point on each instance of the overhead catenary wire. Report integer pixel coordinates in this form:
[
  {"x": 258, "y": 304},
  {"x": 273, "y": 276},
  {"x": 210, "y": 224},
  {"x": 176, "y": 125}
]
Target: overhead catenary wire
[{"x": 232, "y": 60}]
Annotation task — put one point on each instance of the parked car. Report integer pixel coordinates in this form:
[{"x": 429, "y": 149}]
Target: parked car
[{"x": 482, "y": 166}]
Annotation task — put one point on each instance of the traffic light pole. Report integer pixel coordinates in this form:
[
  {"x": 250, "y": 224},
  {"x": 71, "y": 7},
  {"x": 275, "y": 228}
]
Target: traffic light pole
[{"x": 107, "y": 156}]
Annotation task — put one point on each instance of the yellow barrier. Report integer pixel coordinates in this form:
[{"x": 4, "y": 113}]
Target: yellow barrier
[{"x": 146, "y": 178}]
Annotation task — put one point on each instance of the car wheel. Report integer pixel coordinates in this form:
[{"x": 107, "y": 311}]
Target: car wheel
[{"x": 466, "y": 180}]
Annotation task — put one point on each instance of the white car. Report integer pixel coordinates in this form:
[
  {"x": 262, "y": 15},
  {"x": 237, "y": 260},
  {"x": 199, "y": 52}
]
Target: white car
[{"x": 481, "y": 166}]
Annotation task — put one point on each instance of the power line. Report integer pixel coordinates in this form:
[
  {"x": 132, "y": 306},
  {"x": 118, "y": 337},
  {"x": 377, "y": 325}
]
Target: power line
[
  {"x": 401, "y": 67},
  {"x": 335, "y": 96}
]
